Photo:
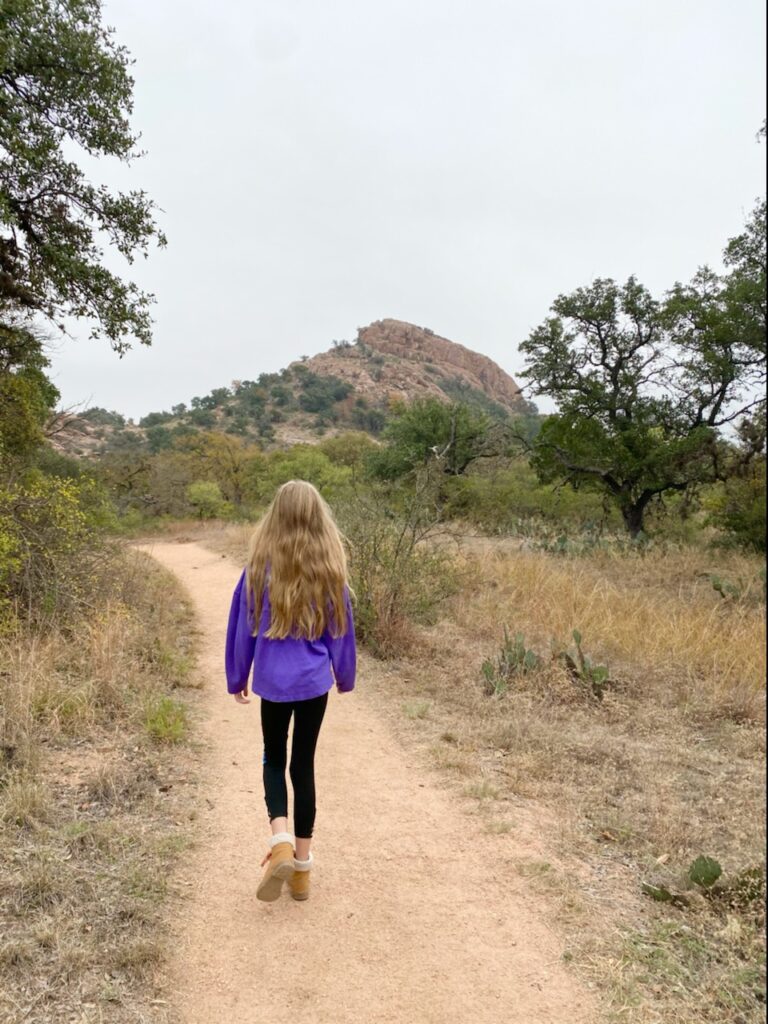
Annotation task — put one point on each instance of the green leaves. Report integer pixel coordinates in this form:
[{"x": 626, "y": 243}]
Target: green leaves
[
  {"x": 27, "y": 396},
  {"x": 645, "y": 386},
  {"x": 428, "y": 431},
  {"x": 64, "y": 83}
]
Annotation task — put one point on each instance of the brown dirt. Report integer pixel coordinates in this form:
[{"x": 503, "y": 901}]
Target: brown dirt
[{"x": 415, "y": 915}]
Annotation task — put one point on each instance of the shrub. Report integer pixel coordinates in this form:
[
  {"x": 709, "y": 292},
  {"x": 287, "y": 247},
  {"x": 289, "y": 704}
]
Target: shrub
[
  {"x": 512, "y": 501},
  {"x": 103, "y": 417},
  {"x": 155, "y": 419},
  {"x": 738, "y": 507},
  {"x": 202, "y": 417},
  {"x": 302, "y": 462},
  {"x": 206, "y": 498},
  {"x": 319, "y": 394},
  {"x": 398, "y": 576},
  {"x": 49, "y": 544},
  {"x": 349, "y": 449}
]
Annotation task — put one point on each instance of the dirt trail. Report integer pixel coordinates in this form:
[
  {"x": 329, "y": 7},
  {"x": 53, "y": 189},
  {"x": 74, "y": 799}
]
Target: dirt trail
[{"x": 413, "y": 917}]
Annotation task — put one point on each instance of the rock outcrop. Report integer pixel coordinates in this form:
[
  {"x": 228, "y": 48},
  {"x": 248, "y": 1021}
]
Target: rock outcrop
[
  {"x": 393, "y": 359},
  {"x": 421, "y": 345}
]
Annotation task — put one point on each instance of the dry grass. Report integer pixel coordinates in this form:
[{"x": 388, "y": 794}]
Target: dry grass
[
  {"x": 670, "y": 765},
  {"x": 94, "y": 803},
  {"x": 658, "y": 613}
]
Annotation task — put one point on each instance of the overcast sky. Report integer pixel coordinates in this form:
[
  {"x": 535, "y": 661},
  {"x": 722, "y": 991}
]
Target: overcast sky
[{"x": 454, "y": 163}]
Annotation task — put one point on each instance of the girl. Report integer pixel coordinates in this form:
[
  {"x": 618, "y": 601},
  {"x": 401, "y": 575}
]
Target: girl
[{"x": 291, "y": 619}]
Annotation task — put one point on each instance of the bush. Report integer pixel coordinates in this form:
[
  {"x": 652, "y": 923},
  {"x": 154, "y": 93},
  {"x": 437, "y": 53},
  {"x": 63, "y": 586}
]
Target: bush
[
  {"x": 738, "y": 507},
  {"x": 319, "y": 394},
  {"x": 50, "y": 549},
  {"x": 206, "y": 498},
  {"x": 348, "y": 449},
  {"x": 155, "y": 419},
  {"x": 103, "y": 417},
  {"x": 512, "y": 501},
  {"x": 302, "y": 462},
  {"x": 202, "y": 417},
  {"x": 399, "y": 578}
]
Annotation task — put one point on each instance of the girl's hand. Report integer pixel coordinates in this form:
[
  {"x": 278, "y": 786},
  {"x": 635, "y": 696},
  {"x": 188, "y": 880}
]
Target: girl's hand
[{"x": 242, "y": 697}]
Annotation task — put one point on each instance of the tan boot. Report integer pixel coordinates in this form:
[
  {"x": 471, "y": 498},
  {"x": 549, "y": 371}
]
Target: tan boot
[
  {"x": 279, "y": 869},
  {"x": 298, "y": 883}
]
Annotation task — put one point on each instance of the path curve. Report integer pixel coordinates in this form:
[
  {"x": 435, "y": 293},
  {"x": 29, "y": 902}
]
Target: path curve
[{"x": 412, "y": 917}]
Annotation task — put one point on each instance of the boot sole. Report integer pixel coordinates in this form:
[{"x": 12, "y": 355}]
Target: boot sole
[
  {"x": 270, "y": 888},
  {"x": 300, "y": 896}
]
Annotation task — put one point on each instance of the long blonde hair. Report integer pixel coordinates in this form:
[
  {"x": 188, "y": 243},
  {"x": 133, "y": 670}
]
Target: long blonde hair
[{"x": 296, "y": 551}]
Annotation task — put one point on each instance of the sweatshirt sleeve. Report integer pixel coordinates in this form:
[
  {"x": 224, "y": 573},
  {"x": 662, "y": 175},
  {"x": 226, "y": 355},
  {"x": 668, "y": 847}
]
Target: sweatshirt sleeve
[
  {"x": 343, "y": 652},
  {"x": 240, "y": 643}
]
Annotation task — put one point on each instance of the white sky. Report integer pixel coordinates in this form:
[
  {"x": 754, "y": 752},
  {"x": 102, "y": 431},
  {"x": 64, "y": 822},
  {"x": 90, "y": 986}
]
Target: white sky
[{"x": 454, "y": 163}]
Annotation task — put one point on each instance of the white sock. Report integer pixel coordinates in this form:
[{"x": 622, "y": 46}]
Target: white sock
[
  {"x": 280, "y": 837},
  {"x": 303, "y": 865}
]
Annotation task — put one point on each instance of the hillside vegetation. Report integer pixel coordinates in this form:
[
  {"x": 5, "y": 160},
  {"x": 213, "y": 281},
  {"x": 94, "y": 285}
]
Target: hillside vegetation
[{"x": 352, "y": 386}]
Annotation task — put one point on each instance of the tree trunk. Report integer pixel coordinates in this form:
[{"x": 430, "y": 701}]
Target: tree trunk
[{"x": 634, "y": 516}]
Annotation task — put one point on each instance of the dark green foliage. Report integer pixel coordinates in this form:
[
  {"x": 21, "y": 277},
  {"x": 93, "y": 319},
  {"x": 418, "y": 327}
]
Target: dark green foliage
[
  {"x": 27, "y": 396},
  {"x": 206, "y": 402},
  {"x": 64, "y": 87},
  {"x": 103, "y": 417},
  {"x": 281, "y": 395},
  {"x": 159, "y": 438},
  {"x": 53, "y": 463},
  {"x": 219, "y": 396},
  {"x": 319, "y": 394},
  {"x": 202, "y": 417},
  {"x": 372, "y": 421},
  {"x": 511, "y": 500},
  {"x": 427, "y": 431},
  {"x": 645, "y": 388},
  {"x": 126, "y": 441},
  {"x": 739, "y": 507},
  {"x": 154, "y": 419}
]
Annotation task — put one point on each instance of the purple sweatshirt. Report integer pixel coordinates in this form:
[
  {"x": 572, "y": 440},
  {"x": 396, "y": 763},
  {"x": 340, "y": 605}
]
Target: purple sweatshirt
[{"x": 288, "y": 669}]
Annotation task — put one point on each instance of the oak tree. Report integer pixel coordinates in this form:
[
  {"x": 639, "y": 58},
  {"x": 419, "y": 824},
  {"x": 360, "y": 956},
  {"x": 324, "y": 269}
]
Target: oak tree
[
  {"x": 66, "y": 91},
  {"x": 655, "y": 396}
]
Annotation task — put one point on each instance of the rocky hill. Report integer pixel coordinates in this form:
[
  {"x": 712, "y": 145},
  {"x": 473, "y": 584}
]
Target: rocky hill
[
  {"x": 351, "y": 386},
  {"x": 393, "y": 360}
]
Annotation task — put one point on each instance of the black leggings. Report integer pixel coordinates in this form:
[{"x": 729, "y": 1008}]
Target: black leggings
[{"x": 275, "y": 718}]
